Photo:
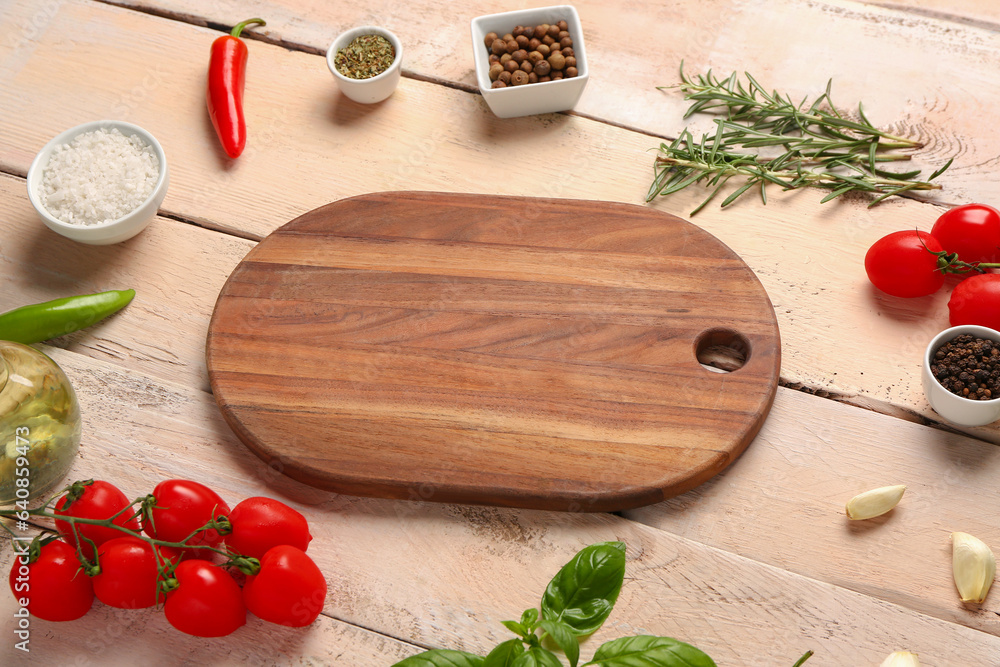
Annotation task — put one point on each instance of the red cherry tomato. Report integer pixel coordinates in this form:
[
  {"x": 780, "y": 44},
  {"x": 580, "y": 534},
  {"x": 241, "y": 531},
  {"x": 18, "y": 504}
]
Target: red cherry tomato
[
  {"x": 900, "y": 265},
  {"x": 99, "y": 500},
  {"x": 54, "y": 585},
  {"x": 182, "y": 507},
  {"x": 972, "y": 231},
  {"x": 976, "y": 300},
  {"x": 261, "y": 523},
  {"x": 207, "y": 602},
  {"x": 130, "y": 573},
  {"x": 288, "y": 590}
]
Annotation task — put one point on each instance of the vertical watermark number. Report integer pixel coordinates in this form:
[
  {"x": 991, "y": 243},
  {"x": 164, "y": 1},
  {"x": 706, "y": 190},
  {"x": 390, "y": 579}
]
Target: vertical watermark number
[{"x": 22, "y": 543}]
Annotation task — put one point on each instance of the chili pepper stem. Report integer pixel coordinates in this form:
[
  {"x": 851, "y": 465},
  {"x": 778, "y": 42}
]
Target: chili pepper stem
[
  {"x": 238, "y": 28},
  {"x": 805, "y": 656}
]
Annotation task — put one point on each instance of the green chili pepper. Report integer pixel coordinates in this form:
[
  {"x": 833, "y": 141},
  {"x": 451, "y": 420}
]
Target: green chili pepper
[{"x": 43, "y": 321}]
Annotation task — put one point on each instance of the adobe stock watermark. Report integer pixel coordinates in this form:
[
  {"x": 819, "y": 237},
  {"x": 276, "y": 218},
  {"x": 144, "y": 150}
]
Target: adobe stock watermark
[
  {"x": 32, "y": 28},
  {"x": 20, "y": 582}
]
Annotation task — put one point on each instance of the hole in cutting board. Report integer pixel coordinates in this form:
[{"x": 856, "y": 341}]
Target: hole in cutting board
[{"x": 722, "y": 350}]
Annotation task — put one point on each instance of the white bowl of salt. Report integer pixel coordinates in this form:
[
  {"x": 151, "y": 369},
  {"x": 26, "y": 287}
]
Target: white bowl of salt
[{"x": 100, "y": 182}]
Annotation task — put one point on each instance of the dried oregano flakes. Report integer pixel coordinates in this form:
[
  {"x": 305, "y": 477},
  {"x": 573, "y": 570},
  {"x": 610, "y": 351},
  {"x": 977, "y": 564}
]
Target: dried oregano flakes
[{"x": 366, "y": 56}]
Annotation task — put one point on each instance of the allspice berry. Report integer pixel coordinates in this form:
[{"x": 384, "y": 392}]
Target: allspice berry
[{"x": 531, "y": 54}]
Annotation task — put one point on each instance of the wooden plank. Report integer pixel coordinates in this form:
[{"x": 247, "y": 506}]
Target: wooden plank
[
  {"x": 310, "y": 146},
  {"x": 803, "y": 467},
  {"x": 176, "y": 270},
  {"x": 738, "y": 610},
  {"x": 905, "y": 57}
]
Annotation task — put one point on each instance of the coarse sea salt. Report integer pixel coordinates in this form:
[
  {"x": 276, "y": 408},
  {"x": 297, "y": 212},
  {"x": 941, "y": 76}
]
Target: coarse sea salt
[{"x": 98, "y": 177}]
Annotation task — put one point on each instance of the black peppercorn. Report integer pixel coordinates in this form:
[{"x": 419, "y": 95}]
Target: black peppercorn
[{"x": 968, "y": 366}]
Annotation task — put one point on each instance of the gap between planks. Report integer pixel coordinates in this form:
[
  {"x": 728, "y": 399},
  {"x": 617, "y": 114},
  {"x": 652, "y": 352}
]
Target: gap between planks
[{"x": 937, "y": 15}]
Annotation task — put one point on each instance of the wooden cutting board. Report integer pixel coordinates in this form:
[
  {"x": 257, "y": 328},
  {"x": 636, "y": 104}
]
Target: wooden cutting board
[{"x": 539, "y": 353}]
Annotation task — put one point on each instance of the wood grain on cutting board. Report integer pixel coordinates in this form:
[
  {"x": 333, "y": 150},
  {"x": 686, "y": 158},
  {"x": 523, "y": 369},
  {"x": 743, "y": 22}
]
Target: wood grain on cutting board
[{"x": 515, "y": 351}]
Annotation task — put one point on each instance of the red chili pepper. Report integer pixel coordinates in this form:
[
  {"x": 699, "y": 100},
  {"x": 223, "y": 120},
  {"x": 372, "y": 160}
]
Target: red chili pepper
[{"x": 226, "y": 79}]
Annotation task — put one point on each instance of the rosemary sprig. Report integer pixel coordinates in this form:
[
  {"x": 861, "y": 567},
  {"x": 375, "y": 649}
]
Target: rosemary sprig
[
  {"x": 685, "y": 161},
  {"x": 754, "y": 107},
  {"x": 816, "y": 146}
]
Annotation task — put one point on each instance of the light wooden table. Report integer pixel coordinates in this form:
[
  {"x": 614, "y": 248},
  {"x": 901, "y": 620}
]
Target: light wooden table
[{"x": 754, "y": 567}]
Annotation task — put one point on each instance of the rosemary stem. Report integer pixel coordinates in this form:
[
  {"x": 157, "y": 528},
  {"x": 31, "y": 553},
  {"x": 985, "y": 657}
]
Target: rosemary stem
[{"x": 808, "y": 145}]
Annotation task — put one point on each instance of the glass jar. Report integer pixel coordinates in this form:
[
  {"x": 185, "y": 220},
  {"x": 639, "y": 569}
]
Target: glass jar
[{"x": 39, "y": 423}]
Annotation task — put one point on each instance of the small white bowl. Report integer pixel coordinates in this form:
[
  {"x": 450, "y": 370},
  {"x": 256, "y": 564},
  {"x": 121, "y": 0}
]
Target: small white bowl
[
  {"x": 376, "y": 88},
  {"x": 531, "y": 98},
  {"x": 954, "y": 408},
  {"x": 106, "y": 233}
]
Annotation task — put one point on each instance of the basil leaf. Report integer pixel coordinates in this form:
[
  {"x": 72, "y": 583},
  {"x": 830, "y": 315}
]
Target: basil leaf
[
  {"x": 585, "y": 590},
  {"x": 646, "y": 651},
  {"x": 504, "y": 654},
  {"x": 537, "y": 657},
  {"x": 564, "y": 637},
  {"x": 516, "y": 628},
  {"x": 442, "y": 658},
  {"x": 529, "y": 619}
]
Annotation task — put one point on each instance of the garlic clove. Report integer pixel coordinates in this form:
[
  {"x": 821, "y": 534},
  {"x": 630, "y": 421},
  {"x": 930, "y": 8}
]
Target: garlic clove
[
  {"x": 875, "y": 502},
  {"x": 973, "y": 565},
  {"x": 901, "y": 659}
]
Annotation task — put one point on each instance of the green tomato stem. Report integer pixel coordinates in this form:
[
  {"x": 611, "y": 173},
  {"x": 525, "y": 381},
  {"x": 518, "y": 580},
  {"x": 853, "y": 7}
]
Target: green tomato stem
[{"x": 109, "y": 523}]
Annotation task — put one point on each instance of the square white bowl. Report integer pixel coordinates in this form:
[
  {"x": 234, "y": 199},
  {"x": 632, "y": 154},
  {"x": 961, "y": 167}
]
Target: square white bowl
[
  {"x": 114, "y": 231},
  {"x": 531, "y": 98}
]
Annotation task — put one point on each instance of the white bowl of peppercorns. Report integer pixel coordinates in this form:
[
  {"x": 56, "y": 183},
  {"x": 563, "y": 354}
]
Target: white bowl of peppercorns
[
  {"x": 530, "y": 61},
  {"x": 961, "y": 375}
]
